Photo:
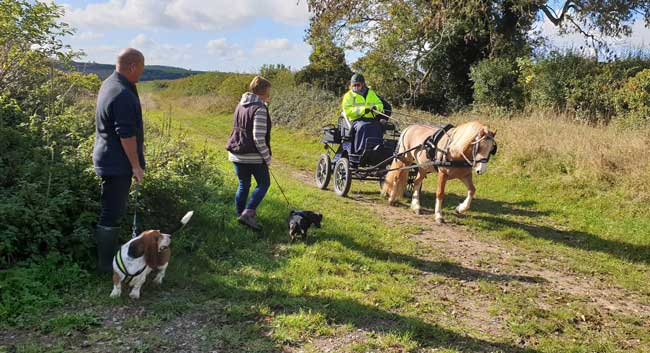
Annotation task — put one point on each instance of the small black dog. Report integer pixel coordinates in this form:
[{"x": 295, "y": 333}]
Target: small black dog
[{"x": 300, "y": 221}]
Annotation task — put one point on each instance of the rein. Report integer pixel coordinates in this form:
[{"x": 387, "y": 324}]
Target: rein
[{"x": 466, "y": 163}]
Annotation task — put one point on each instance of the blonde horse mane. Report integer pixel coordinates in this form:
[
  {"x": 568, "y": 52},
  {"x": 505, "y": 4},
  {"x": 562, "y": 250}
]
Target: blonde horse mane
[{"x": 463, "y": 136}]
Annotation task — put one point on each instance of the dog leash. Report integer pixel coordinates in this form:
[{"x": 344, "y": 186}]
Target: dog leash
[
  {"x": 280, "y": 187},
  {"x": 135, "y": 212}
]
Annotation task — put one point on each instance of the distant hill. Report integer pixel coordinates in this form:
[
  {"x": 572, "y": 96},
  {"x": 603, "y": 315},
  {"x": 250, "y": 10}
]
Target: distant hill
[{"x": 151, "y": 72}]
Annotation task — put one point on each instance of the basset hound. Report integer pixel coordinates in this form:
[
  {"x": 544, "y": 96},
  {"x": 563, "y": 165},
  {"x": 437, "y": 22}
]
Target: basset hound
[{"x": 137, "y": 258}]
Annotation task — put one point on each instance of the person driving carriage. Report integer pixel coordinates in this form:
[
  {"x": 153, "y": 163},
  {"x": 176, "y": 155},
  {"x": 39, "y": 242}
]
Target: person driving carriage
[{"x": 366, "y": 110}]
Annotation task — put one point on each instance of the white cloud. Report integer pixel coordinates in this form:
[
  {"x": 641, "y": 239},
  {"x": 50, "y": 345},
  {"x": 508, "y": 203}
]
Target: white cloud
[
  {"x": 192, "y": 14},
  {"x": 277, "y": 46},
  {"x": 156, "y": 53},
  {"x": 223, "y": 49},
  {"x": 89, "y": 36}
]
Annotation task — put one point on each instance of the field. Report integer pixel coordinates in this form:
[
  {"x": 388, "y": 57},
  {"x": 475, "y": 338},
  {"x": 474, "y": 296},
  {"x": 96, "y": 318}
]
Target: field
[{"x": 553, "y": 257}]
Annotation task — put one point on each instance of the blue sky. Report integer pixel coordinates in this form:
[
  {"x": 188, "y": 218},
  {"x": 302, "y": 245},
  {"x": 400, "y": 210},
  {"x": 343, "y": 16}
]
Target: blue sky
[{"x": 223, "y": 35}]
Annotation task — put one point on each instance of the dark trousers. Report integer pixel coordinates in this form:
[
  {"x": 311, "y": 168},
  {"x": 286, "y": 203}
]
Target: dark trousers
[
  {"x": 115, "y": 194},
  {"x": 365, "y": 129},
  {"x": 244, "y": 173}
]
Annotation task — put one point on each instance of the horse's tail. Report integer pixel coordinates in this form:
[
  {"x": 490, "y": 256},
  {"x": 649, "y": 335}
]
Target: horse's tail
[{"x": 395, "y": 180}]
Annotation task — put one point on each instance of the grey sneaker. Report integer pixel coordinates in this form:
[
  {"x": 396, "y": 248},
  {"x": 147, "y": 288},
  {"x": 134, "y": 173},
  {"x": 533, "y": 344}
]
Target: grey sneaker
[{"x": 249, "y": 221}]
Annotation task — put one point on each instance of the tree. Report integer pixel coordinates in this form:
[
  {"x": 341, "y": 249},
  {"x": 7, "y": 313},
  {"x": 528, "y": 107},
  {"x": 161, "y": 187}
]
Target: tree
[
  {"x": 30, "y": 38},
  {"x": 327, "y": 68},
  {"x": 426, "y": 41}
]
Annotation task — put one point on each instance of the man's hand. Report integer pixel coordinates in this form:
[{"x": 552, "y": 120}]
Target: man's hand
[
  {"x": 268, "y": 163},
  {"x": 371, "y": 109},
  {"x": 138, "y": 174}
]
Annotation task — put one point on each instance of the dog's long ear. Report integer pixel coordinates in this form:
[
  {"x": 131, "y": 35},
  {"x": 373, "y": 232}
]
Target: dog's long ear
[
  {"x": 136, "y": 248},
  {"x": 151, "y": 239}
]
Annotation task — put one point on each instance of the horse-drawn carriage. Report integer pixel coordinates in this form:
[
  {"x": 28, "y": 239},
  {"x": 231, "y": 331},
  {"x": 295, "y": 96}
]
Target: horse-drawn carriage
[
  {"x": 402, "y": 160},
  {"x": 342, "y": 163}
]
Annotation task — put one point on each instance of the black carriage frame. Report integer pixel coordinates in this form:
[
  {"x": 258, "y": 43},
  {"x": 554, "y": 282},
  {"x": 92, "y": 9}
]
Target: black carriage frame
[{"x": 344, "y": 165}]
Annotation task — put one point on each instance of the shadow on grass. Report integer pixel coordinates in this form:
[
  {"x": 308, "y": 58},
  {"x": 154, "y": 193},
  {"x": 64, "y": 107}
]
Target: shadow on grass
[
  {"x": 373, "y": 319},
  {"x": 521, "y": 208},
  {"x": 573, "y": 238},
  {"x": 443, "y": 268}
]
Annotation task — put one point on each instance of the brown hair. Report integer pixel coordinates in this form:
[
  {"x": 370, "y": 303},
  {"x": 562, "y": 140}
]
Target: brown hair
[{"x": 259, "y": 85}]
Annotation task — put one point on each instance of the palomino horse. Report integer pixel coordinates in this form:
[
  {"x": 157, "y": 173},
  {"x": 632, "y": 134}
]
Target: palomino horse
[{"x": 467, "y": 147}]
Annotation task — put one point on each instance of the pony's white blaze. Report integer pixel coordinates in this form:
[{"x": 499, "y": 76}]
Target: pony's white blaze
[{"x": 481, "y": 168}]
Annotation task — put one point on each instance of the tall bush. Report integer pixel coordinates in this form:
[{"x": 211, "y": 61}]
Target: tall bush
[
  {"x": 553, "y": 77},
  {"x": 633, "y": 100},
  {"x": 496, "y": 83}
]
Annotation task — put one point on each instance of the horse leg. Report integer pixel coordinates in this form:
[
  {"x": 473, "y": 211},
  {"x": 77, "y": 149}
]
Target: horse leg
[
  {"x": 417, "y": 186},
  {"x": 394, "y": 195},
  {"x": 440, "y": 194},
  {"x": 464, "y": 206}
]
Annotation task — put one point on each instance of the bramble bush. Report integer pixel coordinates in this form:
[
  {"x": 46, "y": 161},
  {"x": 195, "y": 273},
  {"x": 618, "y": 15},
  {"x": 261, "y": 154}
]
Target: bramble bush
[
  {"x": 304, "y": 108},
  {"x": 496, "y": 83},
  {"x": 633, "y": 100}
]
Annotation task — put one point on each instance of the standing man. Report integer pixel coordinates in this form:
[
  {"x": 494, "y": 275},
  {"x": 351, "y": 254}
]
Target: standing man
[
  {"x": 249, "y": 148},
  {"x": 365, "y": 109},
  {"x": 118, "y": 153}
]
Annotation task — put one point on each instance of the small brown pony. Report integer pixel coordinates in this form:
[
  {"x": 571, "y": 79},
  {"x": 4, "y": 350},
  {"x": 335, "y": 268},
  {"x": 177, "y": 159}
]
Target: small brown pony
[{"x": 471, "y": 142}]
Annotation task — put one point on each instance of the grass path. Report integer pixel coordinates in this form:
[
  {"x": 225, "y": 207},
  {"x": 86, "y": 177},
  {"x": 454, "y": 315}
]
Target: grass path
[
  {"x": 491, "y": 287},
  {"x": 374, "y": 279}
]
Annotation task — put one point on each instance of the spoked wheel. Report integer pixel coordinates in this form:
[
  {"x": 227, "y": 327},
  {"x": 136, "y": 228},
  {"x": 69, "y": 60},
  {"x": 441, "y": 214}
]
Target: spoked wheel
[
  {"x": 410, "y": 184},
  {"x": 342, "y": 177},
  {"x": 323, "y": 171}
]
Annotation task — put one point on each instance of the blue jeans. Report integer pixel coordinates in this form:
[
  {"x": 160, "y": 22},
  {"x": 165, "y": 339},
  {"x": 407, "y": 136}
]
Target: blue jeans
[
  {"x": 244, "y": 173},
  {"x": 115, "y": 195}
]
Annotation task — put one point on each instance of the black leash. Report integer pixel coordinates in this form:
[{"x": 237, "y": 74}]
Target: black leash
[
  {"x": 280, "y": 187},
  {"x": 135, "y": 212}
]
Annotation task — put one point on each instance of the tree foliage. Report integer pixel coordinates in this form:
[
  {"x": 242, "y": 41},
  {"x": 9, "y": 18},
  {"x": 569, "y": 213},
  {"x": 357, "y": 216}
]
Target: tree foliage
[
  {"x": 31, "y": 38},
  {"x": 327, "y": 68},
  {"x": 424, "y": 49}
]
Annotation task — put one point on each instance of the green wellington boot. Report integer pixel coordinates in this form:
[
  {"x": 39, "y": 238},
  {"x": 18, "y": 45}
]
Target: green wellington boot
[{"x": 106, "y": 239}]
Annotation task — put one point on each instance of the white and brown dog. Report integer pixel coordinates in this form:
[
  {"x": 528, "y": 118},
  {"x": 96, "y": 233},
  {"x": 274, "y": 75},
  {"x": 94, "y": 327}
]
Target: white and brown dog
[{"x": 137, "y": 258}]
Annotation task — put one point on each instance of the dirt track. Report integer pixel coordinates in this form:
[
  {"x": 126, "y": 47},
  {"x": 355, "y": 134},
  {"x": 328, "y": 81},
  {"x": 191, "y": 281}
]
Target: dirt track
[{"x": 465, "y": 260}]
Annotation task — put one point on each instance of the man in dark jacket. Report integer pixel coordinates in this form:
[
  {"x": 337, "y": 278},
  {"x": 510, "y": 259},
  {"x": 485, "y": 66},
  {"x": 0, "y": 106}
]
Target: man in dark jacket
[{"x": 118, "y": 154}]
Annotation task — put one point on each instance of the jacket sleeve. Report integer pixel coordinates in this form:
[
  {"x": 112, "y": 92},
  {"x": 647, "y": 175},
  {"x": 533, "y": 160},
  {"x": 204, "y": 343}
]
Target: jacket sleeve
[
  {"x": 388, "y": 109},
  {"x": 351, "y": 111},
  {"x": 259, "y": 134},
  {"x": 124, "y": 115}
]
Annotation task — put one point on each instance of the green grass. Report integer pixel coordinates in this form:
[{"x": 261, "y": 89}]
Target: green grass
[{"x": 358, "y": 281}]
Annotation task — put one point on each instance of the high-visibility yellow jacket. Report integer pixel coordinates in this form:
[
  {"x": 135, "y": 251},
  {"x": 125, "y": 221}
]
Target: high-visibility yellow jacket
[{"x": 354, "y": 105}]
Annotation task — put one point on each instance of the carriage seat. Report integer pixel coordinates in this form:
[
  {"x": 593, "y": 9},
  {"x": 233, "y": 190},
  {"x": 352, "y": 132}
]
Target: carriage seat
[{"x": 345, "y": 125}]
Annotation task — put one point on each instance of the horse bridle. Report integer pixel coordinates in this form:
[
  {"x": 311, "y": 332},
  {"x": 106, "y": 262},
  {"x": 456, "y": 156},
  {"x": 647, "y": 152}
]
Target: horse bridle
[{"x": 475, "y": 146}]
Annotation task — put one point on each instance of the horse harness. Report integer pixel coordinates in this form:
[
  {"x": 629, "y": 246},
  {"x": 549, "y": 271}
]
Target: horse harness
[{"x": 431, "y": 147}]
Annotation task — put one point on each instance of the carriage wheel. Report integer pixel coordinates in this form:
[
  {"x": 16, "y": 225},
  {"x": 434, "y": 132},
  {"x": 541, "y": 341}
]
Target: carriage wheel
[
  {"x": 342, "y": 177},
  {"x": 323, "y": 171},
  {"x": 410, "y": 184}
]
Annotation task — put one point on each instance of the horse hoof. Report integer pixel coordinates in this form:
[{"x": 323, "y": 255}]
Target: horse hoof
[
  {"x": 418, "y": 211},
  {"x": 440, "y": 221}
]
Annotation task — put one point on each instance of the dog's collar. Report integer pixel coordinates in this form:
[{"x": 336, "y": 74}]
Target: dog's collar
[{"x": 122, "y": 268}]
